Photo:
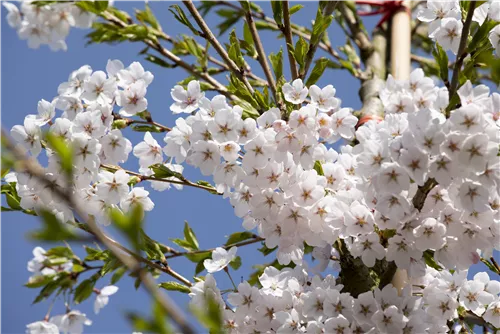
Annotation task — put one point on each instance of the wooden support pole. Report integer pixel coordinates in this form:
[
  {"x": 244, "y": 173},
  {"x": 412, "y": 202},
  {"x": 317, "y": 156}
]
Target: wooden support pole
[{"x": 400, "y": 70}]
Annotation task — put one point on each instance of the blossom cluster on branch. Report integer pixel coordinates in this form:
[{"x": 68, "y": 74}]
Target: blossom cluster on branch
[
  {"x": 47, "y": 24},
  {"x": 284, "y": 181},
  {"x": 290, "y": 301}
]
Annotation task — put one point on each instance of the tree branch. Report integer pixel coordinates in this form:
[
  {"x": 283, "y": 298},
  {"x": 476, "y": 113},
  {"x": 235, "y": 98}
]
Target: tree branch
[
  {"x": 461, "y": 54},
  {"x": 262, "y": 55},
  {"x": 287, "y": 31},
  {"x": 32, "y": 167},
  {"x": 152, "y": 178},
  {"x": 208, "y": 35},
  {"x": 174, "y": 58}
]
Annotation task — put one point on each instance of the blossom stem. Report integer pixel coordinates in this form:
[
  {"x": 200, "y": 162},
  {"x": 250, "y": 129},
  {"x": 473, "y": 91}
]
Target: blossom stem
[
  {"x": 226, "y": 269},
  {"x": 461, "y": 54}
]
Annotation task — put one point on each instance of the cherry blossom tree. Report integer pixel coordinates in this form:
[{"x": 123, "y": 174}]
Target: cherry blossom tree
[{"x": 400, "y": 210}]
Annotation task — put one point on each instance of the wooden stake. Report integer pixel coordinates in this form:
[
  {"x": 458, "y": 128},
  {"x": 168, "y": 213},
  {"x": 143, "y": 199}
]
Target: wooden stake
[
  {"x": 401, "y": 44},
  {"x": 400, "y": 70}
]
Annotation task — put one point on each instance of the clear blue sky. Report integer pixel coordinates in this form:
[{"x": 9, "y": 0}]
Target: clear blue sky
[{"x": 30, "y": 75}]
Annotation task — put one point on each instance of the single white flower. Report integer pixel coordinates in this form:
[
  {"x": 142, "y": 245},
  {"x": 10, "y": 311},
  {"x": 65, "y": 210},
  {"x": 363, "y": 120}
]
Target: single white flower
[
  {"x": 102, "y": 298},
  {"x": 220, "y": 259}
]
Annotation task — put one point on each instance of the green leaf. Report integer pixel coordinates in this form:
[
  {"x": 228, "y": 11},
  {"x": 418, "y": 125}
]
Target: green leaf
[
  {"x": 118, "y": 274},
  {"x": 198, "y": 257},
  {"x": 442, "y": 61},
  {"x": 182, "y": 243},
  {"x": 301, "y": 48},
  {"x": 317, "y": 72},
  {"x": 96, "y": 254},
  {"x": 39, "y": 281},
  {"x": 294, "y": 9},
  {"x": 240, "y": 90},
  {"x": 318, "y": 168},
  {"x": 60, "y": 251},
  {"x": 277, "y": 63},
  {"x": 234, "y": 51},
  {"x": 84, "y": 290},
  {"x": 101, "y": 5},
  {"x": 321, "y": 23},
  {"x": 481, "y": 35},
  {"x": 190, "y": 236},
  {"x": 13, "y": 202},
  {"x": 159, "y": 61},
  {"x": 277, "y": 7},
  {"x": 182, "y": 18},
  {"x": 238, "y": 237},
  {"x": 429, "y": 260},
  {"x": 130, "y": 224},
  {"x": 236, "y": 263},
  {"x": 266, "y": 251},
  {"x": 63, "y": 151},
  {"x": 162, "y": 172},
  {"x": 174, "y": 286},
  {"x": 52, "y": 229},
  {"x": 199, "y": 268},
  {"x": 147, "y": 16}
]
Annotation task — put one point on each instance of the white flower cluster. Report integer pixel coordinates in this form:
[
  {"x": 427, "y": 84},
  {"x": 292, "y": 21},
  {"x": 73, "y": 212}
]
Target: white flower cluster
[
  {"x": 73, "y": 320},
  {"x": 47, "y": 24},
  {"x": 282, "y": 178},
  {"x": 86, "y": 100},
  {"x": 267, "y": 170},
  {"x": 291, "y": 302},
  {"x": 445, "y": 22}
]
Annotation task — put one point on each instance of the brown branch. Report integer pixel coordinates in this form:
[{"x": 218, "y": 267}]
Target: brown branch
[
  {"x": 462, "y": 53},
  {"x": 262, "y": 55},
  {"x": 152, "y": 178},
  {"x": 208, "y": 35},
  {"x": 174, "y": 58},
  {"x": 31, "y": 166},
  {"x": 287, "y": 31}
]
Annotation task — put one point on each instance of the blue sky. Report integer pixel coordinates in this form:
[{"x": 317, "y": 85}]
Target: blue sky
[{"x": 30, "y": 75}]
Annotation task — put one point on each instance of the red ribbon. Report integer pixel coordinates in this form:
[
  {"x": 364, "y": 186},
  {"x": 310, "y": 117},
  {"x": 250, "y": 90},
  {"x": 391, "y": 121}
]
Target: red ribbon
[{"x": 386, "y": 8}]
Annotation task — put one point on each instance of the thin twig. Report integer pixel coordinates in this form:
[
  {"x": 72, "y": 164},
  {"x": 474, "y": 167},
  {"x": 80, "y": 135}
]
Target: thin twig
[
  {"x": 461, "y": 54},
  {"x": 208, "y": 35},
  {"x": 177, "y": 60},
  {"x": 287, "y": 31},
  {"x": 152, "y": 178},
  {"x": 262, "y": 55},
  {"x": 31, "y": 166}
]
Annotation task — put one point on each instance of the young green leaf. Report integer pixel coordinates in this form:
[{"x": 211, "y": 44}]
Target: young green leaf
[
  {"x": 236, "y": 263},
  {"x": 277, "y": 63},
  {"x": 277, "y": 7},
  {"x": 301, "y": 48},
  {"x": 238, "y": 237},
  {"x": 190, "y": 236},
  {"x": 442, "y": 61},
  {"x": 63, "y": 151},
  {"x": 317, "y": 72},
  {"x": 84, "y": 290},
  {"x": 101, "y": 5},
  {"x": 182, "y": 18},
  {"x": 174, "y": 286}
]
